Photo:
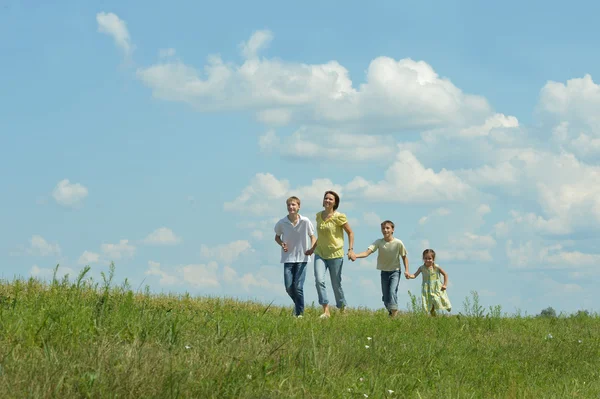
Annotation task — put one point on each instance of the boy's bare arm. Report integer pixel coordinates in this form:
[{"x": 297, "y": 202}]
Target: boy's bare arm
[
  {"x": 364, "y": 254},
  {"x": 313, "y": 245},
  {"x": 281, "y": 243},
  {"x": 405, "y": 261}
]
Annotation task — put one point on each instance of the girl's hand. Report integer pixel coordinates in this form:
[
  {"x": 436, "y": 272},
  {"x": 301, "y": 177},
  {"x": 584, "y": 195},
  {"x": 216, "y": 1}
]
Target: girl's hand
[
  {"x": 443, "y": 288},
  {"x": 412, "y": 276}
]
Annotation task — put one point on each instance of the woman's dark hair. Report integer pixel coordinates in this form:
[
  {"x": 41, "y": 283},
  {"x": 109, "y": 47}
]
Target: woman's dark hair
[{"x": 335, "y": 196}]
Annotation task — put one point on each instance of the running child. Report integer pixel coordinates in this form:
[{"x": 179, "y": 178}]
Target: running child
[
  {"x": 391, "y": 250},
  {"x": 296, "y": 236},
  {"x": 433, "y": 292}
]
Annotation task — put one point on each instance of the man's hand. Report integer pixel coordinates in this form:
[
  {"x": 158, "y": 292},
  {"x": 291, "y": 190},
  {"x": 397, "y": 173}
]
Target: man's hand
[{"x": 284, "y": 246}]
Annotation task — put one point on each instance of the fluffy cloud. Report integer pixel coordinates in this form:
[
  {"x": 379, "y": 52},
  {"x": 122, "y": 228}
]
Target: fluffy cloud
[
  {"x": 532, "y": 255},
  {"x": 265, "y": 195},
  {"x": 327, "y": 144},
  {"x": 88, "y": 258},
  {"x": 118, "y": 251},
  {"x": 115, "y": 27},
  {"x": 40, "y": 247},
  {"x": 397, "y": 94},
  {"x": 154, "y": 269},
  {"x": 69, "y": 194},
  {"x": 408, "y": 181},
  {"x": 200, "y": 275},
  {"x": 162, "y": 236},
  {"x": 226, "y": 253}
]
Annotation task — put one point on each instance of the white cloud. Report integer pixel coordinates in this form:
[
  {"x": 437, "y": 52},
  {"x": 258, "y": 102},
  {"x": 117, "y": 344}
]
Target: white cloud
[
  {"x": 397, "y": 94},
  {"x": 201, "y": 275},
  {"x": 494, "y": 122},
  {"x": 326, "y": 143},
  {"x": 268, "y": 141},
  {"x": 69, "y": 194},
  {"x": 155, "y": 270},
  {"x": 88, "y": 258},
  {"x": 226, "y": 253},
  {"x": 115, "y": 27},
  {"x": 531, "y": 255},
  {"x": 257, "y": 235},
  {"x": 470, "y": 240},
  {"x": 40, "y": 247},
  {"x": 258, "y": 41},
  {"x": 118, "y": 251},
  {"x": 483, "y": 209},
  {"x": 265, "y": 195},
  {"x": 372, "y": 219},
  {"x": 408, "y": 181},
  {"x": 162, "y": 236}
]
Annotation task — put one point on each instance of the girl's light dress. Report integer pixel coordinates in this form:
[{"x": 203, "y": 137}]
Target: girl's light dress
[{"x": 432, "y": 294}]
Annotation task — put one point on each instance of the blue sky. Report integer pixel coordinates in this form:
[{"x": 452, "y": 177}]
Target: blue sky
[{"x": 166, "y": 138}]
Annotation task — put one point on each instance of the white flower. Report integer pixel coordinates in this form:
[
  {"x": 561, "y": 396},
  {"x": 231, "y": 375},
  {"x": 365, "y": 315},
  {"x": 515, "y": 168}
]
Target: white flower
[
  {"x": 369, "y": 338},
  {"x": 248, "y": 376},
  {"x": 549, "y": 336},
  {"x": 365, "y": 395},
  {"x": 188, "y": 347},
  {"x": 361, "y": 379},
  {"x": 580, "y": 341},
  {"x": 367, "y": 346},
  {"x": 390, "y": 391}
]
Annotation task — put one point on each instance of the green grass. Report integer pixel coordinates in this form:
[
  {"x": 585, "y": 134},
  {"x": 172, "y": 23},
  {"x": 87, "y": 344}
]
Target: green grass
[{"x": 81, "y": 339}]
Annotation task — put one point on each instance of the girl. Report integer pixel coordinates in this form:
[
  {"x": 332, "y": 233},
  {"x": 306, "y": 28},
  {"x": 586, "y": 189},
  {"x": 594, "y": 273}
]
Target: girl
[
  {"x": 433, "y": 291},
  {"x": 329, "y": 251}
]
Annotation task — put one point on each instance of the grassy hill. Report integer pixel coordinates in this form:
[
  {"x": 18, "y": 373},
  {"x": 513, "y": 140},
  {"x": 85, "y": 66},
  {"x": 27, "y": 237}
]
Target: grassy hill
[{"x": 84, "y": 339}]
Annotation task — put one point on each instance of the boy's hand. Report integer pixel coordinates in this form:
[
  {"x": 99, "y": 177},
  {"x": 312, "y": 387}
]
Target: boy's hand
[{"x": 284, "y": 246}]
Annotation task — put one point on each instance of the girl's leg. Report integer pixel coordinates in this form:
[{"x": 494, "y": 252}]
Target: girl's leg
[
  {"x": 320, "y": 268},
  {"x": 335, "y": 272},
  {"x": 433, "y": 310}
]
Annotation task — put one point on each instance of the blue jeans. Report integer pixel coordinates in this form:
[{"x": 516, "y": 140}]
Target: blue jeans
[
  {"x": 335, "y": 273},
  {"x": 389, "y": 289},
  {"x": 293, "y": 278}
]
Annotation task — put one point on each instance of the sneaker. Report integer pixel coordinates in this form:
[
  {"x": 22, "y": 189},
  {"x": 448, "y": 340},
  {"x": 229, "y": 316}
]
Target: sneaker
[
  {"x": 324, "y": 316},
  {"x": 299, "y": 316}
]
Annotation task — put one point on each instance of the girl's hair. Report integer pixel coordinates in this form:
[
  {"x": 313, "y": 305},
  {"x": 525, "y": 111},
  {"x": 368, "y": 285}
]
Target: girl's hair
[
  {"x": 335, "y": 196},
  {"x": 429, "y": 251}
]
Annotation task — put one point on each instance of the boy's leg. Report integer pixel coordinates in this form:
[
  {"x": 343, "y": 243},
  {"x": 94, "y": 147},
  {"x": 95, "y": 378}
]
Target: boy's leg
[
  {"x": 298, "y": 287},
  {"x": 320, "y": 268},
  {"x": 393, "y": 293},
  {"x": 335, "y": 273},
  {"x": 288, "y": 279},
  {"x": 385, "y": 290}
]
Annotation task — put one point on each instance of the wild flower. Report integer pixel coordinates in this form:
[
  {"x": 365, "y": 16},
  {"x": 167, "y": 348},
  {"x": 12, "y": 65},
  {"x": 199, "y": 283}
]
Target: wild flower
[{"x": 367, "y": 346}]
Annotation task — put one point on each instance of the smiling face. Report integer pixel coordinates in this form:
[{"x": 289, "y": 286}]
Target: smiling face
[
  {"x": 428, "y": 260},
  {"x": 387, "y": 230},
  {"x": 293, "y": 207},
  {"x": 330, "y": 201}
]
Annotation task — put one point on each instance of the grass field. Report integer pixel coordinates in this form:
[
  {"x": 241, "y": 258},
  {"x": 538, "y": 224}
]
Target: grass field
[{"x": 83, "y": 339}]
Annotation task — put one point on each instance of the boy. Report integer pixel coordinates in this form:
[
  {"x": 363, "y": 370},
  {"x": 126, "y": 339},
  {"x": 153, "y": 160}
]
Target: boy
[
  {"x": 391, "y": 250},
  {"x": 296, "y": 236}
]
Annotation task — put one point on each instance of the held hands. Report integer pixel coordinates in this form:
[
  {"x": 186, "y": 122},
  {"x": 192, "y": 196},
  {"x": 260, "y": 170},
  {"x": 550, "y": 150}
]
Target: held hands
[
  {"x": 407, "y": 275},
  {"x": 351, "y": 255}
]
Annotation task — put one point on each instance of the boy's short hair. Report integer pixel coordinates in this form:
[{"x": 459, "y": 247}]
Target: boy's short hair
[
  {"x": 388, "y": 222},
  {"x": 292, "y": 198}
]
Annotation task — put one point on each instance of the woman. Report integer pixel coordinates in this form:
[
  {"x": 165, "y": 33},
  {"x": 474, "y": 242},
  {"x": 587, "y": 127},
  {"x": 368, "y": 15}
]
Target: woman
[{"x": 329, "y": 251}]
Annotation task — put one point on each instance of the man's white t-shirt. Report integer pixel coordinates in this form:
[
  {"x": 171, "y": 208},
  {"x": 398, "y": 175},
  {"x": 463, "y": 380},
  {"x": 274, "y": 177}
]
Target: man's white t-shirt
[{"x": 297, "y": 238}]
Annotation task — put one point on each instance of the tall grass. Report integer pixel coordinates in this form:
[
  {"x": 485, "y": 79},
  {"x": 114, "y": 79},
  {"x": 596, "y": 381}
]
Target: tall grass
[{"x": 85, "y": 339}]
